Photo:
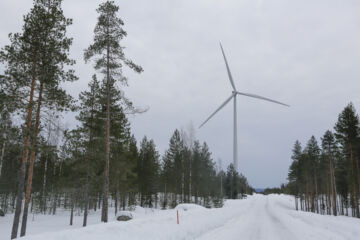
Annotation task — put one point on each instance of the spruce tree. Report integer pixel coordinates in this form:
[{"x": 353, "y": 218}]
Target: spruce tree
[
  {"x": 231, "y": 182},
  {"x": 294, "y": 171},
  {"x": 173, "y": 165},
  {"x": 148, "y": 172},
  {"x": 89, "y": 107}
]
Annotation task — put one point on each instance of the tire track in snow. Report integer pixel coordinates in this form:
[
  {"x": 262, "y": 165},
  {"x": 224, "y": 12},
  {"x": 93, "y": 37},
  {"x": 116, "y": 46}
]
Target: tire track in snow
[
  {"x": 282, "y": 230},
  {"x": 258, "y": 222},
  {"x": 226, "y": 227}
]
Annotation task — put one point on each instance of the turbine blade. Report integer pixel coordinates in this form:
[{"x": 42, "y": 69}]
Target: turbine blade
[
  {"x": 222, "y": 105},
  {"x": 260, "y": 97},
  {"x": 227, "y": 68}
]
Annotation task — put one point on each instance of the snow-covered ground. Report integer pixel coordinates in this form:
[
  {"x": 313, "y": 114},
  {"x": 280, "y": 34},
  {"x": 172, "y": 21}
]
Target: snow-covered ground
[{"x": 257, "y": 217}]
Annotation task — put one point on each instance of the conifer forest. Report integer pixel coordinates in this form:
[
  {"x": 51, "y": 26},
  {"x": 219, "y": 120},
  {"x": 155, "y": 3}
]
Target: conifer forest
[
  {"x": 324, "y": 176},
  {"x": 44, "y": 166}
]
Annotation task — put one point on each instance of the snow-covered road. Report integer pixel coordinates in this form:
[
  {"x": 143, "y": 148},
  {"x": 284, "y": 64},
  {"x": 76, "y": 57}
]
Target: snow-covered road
[
  {"x": 258, "y": 217},
  {"x": 273, "y": 217},
  {"x": 258, "y": 221}
]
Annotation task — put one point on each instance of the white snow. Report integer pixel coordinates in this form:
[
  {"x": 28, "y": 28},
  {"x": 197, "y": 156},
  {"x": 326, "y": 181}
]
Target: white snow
[
  {"x": 188, "y": 206},
  {"x": 257, "y": 217}
]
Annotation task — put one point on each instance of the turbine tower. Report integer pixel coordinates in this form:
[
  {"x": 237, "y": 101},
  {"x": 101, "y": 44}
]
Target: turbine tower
[{"x": 233, "y": 96}]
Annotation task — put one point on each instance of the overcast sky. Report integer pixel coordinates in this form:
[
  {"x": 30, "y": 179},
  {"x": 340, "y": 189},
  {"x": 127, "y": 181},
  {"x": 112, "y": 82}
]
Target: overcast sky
[{"x": 305, "y": 53}]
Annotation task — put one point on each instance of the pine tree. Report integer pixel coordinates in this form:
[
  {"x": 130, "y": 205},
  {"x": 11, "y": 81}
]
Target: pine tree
[
  {"x": 330, "y": 150},
  {"x": 108, "y": 34},
  {"x": 53, "y": 58},
  {"x": 327, "y": 180},
  {"x": 312, "y": 156},
  {"x": 40, "y": 50},
  {"x": 347, "y": 134},
  {"x": 23, "y": 52}
]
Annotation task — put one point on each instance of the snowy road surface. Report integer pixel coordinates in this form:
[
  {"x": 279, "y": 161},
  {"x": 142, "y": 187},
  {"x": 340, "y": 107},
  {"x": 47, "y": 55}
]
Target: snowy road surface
[{"x": 258, "y": 217}]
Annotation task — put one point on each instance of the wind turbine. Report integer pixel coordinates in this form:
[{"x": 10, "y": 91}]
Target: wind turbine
[{"x": 233, "y": 96}]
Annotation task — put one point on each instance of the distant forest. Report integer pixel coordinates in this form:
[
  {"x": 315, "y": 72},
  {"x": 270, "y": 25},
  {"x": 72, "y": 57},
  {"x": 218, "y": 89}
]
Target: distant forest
[
  {"x": 325, "y": 177},
  {"x": 45, "y": 166}
]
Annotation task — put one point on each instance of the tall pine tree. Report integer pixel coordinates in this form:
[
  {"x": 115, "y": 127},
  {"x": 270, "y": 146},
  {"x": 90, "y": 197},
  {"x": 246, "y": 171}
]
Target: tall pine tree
[
  {"x": 108, "y": 34},
  {"x": 346, "y": 132}
]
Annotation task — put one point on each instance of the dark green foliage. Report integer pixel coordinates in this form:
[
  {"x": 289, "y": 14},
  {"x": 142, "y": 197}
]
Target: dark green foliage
[
  {"x": 275, "y": 190},
  {"x": 235, "y": 184},
  {"x": 148, "y": 170},
  {"x": 189, "y": 175},
  {"x": 327, "y": 180},
  {"x": 106, "y": 46}
]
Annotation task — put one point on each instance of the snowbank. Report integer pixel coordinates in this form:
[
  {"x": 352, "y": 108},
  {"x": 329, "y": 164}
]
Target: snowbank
[
  {"x": 257, "y": 217},
  {"x": 189, "y": 206}
]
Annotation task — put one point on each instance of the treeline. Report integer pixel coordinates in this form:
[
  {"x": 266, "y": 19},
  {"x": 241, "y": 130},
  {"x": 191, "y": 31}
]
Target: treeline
[
  {"x": 44, "y": 165},
  {"x": 326, "y": 179},
  {"x": 276, "y": 190}
]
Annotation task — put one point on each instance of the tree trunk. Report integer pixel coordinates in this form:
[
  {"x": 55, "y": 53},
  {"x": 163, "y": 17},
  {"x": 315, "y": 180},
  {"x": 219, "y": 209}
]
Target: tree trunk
[
  {"x": 54, "y": 204},
  {"x": 346, "y": 207},
  {"x": 333, "y": 192},
  {"x": 329, "y": 204},
  {"x": 116, "y": 202},
  {"x": 86, "y": 204},
  {"x": 116, "y": 197},
  {"x": 190, "y": 197},
  {"x": 342, "y": 206},
  {"x": 307, "y": 207},
  {"x": 123, "y": 201},
  {"x": 165, "y": 197},
  {"x": 107, "y": 160},
  {"x": 354, "y": 200},
  {"x": 43, "y": 199},
  {"x": 316, "y": 193},
  {"x": 72, "y": 207},
  {"x": 32, "y": 161},
  {"x": 196, "y": 195},
  {"x": 3, "y": 149},
  {"x": 358, "y": 173},
  {"x": 87, "y": 177},
  {"x": 99, "y": 200},
  {"x": 20, "y": 189}
]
